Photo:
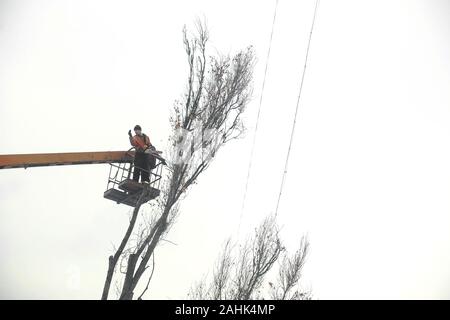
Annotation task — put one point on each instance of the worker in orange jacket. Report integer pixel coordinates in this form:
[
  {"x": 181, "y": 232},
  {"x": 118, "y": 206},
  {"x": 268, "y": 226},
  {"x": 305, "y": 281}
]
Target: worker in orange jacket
[{"x": 141, "y": 159}]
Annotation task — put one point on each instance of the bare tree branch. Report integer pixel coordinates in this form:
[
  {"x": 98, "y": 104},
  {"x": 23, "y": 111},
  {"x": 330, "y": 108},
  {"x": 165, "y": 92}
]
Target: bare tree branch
[
  {"x": 242, "y": 277},
  {"x": 290, "y": 273}
]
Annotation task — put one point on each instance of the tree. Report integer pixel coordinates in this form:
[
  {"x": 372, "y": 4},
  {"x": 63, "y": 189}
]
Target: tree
[
  {"x": 242, "y": 276},
  {"x": 205, "y": 119}
]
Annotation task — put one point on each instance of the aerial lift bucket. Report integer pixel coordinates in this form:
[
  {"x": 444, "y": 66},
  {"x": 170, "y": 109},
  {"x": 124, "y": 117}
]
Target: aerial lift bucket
[{"x": 122, "y": 189}]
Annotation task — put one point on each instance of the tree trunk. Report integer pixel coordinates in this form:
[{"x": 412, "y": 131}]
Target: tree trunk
[
  {"x": 127, "y": 290},
  {"x": 113, "y": 259},
  {"x": 109, "y": 276}
]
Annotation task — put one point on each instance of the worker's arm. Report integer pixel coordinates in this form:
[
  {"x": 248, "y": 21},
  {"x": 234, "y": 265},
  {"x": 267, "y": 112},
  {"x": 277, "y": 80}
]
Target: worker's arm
[
  {"x": 147, "y": 141},
  {"x": 132, "y": 140}
]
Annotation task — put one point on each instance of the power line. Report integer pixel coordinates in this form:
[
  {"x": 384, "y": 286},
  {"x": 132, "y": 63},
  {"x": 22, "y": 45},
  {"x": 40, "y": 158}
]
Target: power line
[
  {"x": 258, "y": 115},
  {"x": 296, "y": 110}
]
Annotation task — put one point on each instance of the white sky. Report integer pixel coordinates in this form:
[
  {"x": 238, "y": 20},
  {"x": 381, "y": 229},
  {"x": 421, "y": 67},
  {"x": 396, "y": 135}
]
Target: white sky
[{"x": 368, "y": 179}]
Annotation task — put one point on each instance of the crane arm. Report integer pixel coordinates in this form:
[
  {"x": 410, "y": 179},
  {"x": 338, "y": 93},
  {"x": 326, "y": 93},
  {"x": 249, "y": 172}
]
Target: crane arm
[{"x": 70, "y": 158}]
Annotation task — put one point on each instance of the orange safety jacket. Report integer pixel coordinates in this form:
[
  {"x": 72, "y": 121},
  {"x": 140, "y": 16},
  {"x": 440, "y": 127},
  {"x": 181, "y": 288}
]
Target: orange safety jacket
[{"x": 140, "y": 142}]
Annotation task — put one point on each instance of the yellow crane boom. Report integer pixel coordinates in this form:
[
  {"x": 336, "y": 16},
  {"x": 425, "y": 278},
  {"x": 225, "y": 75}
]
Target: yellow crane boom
[{"x": 69, "y": 158}]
